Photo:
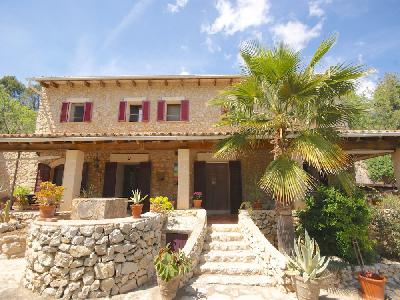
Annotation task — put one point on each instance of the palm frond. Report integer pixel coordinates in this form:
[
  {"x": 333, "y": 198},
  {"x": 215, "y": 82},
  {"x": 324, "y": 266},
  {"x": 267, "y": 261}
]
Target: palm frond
[
  {"x": 323, "y": 48},
  {"x": 347, "y": 182},
  {"x": 238, "y": 144},
  {"x": 314, "y": 148},
  {"x": 286, "y": 180}
]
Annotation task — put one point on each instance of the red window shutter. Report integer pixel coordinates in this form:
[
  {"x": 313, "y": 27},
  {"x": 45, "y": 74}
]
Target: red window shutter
[
  {"x": 64, "y": 112},
  {"x": 160, "y": 110},
  {"x": 185, "y": 110},
  {"x": 145, "y": 111},
  {"x": 122, "y": 110},
  {"x": 87, "y": 116}
]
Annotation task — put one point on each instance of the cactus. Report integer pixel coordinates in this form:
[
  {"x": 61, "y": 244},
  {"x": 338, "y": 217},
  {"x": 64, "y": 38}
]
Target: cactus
[
  {"x": 307, "y": 261},
  {"x": 5, "y": 212}
]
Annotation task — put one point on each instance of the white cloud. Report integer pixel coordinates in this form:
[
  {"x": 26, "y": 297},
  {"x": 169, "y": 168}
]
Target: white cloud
[
  {"x": 239, "y": 16},
  {"x": 366, "y": 85},
  {"x": 315, "y": 7},
  {"x": 211, "y": 46},
  {"x": 179, "y": 5},
  {"x": 296, "y": 34},
  {"x": 136, "y": 11},
  {"x": 184, "y": 71}
]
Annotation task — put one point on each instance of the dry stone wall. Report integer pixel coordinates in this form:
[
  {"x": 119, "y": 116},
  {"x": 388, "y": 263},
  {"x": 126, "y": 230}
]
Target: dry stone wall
[{"x": 87, "y": 259}]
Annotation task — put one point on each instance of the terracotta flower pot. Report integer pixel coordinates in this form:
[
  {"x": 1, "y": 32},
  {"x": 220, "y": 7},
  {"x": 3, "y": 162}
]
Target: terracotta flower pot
[
  {"x": 136, "y": 210},
  {"x": 306, "y": 290},
  {"x": 197, "y": 203},
  {"x": 47, "y": 211},
  {"x": 168, "y": 289},
  {"x": 372, "y": 288},
  {"x": 257, "y": 205}
]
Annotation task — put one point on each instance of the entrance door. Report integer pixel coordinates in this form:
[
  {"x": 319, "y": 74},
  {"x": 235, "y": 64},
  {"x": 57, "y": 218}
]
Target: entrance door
[
  {"x": 217, "y": 187},
  {"x": 131, "y": 174}
]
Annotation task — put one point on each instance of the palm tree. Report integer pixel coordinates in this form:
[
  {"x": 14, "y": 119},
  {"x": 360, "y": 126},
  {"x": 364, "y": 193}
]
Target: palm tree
[{"x": 294, "y": 110}]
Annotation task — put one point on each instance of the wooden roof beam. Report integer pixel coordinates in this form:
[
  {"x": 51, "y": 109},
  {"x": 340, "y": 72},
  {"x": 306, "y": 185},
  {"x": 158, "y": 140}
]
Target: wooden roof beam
[
  {"x": 149, "y": 82},
  {"x": 102, "y": 83},
  {"x": 181, "y": 82},
  {"x": 70, "y": 84},
  {"x": 43, "y": 84},
  {"x": 166, "y": 82},
  {"x": 118, "y": 83},
  {"x": 198, "y": 82},
  {"x": 53, "y": 84},
  {"x": 86, "y": 83},
  {"x": 215, "y": 81},
  {"x": 133, "y": 82}
]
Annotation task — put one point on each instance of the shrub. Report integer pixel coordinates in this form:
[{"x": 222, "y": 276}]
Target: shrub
[
  {"x": 160, "y": 204},
  {"x": 20, "y": 192},
  {"x": 49, "y": 194},
  {"x": 169, "y": 264},
  {"x": 380, "y": 169},
  {"x": 334, "y": 220}
]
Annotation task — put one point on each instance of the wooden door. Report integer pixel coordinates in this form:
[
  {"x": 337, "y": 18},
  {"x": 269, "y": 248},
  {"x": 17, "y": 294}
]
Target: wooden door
[
  {"x": 110, "y": 174},
  {"x": 217, "y": 187},
  {"x": 131, "y": 174}
]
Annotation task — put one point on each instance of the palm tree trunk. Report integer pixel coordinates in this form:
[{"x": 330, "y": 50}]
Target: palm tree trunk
[{"x": 285, "y": 229}]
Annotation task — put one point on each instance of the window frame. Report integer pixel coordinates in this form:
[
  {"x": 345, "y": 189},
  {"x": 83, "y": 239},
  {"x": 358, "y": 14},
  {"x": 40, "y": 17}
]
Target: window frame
[
  {"x": 139, "y": 114},
  {"x": 175, "y": 100},
  {"x": 179, "y": 113},
  {"x": 71, "y": 113}
]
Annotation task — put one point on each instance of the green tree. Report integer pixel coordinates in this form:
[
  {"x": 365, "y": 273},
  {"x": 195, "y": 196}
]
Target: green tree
[
  {"x": 15, "y": 117},
  {"x": 285, "y": 101},
  {"x": 380, "y": 168},
  {"x": 19, "y": 91}
]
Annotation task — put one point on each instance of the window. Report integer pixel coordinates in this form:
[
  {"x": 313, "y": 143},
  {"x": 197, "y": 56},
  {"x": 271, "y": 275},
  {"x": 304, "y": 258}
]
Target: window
[
  {"x": 135, "y": 113},
  {"x": 173, "y": 112},
  {"x": 77, "y": 112}
]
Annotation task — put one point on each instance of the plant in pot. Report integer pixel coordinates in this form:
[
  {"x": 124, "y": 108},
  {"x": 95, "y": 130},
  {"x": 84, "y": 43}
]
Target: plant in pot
[
  {"x": 170, "y": 267},
  {"x": 197, "y": 199},
  {"x": 372, "y": 284},
  {"x": 137, "y": 205},
  {"x": 21, "y": 199},
  {"x": 48, "y": 197},
  {"x": 307, "y": 268},
  {"x": 160, "y": 204}
]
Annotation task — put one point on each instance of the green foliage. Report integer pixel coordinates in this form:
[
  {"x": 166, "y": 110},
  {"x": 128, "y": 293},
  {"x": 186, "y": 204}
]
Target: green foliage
[
  {"x": 20, "y": 192},
  {"x": 380, "y": 168},
  {"x": 170, "y": 264},
  {"x": 334, "y": 220},
  {"x": 160, "y": 204},
  {"x": 307, "y": 261},
  {"x": 137, "y": 197},
  {"x": 5, "y": 212},
  {"x": 18, "y": 91}
]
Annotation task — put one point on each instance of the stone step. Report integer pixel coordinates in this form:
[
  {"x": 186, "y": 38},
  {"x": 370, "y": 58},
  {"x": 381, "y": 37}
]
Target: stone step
[
  {"x": 223, "y": 228},
  {"x": 228, "y": 256},
  {"x": 224, "y": 236},
  {"x": 226, "y": 246},
  {"x": 229, "y": 268},
  {"x": 249, "y": 280}
]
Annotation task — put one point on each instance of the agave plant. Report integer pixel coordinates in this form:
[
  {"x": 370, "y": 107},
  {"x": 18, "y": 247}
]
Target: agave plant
[
  {"x": 137, "y": 197},
  {"x": 307, "y": 261}
]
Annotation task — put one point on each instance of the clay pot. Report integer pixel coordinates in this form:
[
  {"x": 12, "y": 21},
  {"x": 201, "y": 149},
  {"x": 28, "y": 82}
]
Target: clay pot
[
  {"x": 306, "y": 290},
  {"x": 257, "y": 205},
  {"x": 372, "y": 288},
  {"x": 136, "y": 210},
  {"x": 47, "y": 211},
  {"x": 168, "y": 289},
  {"x": 197, "y": 203}
]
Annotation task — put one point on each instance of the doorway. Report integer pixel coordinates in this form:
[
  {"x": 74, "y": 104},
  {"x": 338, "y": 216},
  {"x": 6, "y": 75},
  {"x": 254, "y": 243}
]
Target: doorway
[
  {"x": 131, "y": 174},
  {"x": 217, "y": 188}
]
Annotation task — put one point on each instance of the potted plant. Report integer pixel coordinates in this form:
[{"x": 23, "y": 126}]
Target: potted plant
[
  {"x": 21, "y": 200},
  {"x": 306, "y": 267},
  {"x": 170, "y": 267},
  {"x": 137, "y": 206},
  {"x": 48, "y": 196},
  {"x": 372, "y": 284},
  {"x": 197, "y": 199},
  {"x": 160, "y": 204}
]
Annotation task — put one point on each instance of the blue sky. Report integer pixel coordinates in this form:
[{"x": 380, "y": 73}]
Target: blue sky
[{"x": 97, "y": 37}]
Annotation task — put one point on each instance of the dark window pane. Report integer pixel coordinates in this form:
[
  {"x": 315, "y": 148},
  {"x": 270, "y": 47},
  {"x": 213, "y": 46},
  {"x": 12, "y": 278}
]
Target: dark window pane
[
  {"x": 135, "y": 113},
  {"x": 77, "y": 111},
  {"x": 173, "y": 112}
]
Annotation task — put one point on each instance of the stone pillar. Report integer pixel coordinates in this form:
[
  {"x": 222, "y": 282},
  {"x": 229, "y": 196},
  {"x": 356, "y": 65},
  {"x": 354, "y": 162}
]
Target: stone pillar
[
  {"x": 72, "y": 177},
  {"x": 396, "y": 166},
  {"x": 184, "y": 182}
]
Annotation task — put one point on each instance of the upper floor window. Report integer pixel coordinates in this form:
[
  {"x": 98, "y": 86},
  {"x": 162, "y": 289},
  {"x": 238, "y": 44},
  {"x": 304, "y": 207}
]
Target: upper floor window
[
  {"x": 173, "y": 112},
  {"x": 135, "y": 113},
  {"x": 76, "y": 112}
]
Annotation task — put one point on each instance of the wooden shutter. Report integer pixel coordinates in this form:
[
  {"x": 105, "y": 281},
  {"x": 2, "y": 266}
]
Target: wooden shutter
[
  {"x": 58, "y": 174},
  {"x": 122, "y": 111},
  {"x": 144, "y": 183},
  {"x": 43, "y": 174},
  {"x": 110, "y": 172},
  {"x": 160, "y": 110},
  {"x": 200, "y": 179},
  {"x": 235, "y": 185},
  {"x": 64, "y": 112},
  {"x": 185, "y": 110},
  {"x": 85, "y": 176},
  {"x": 87, "y": 115},
  {"x": 145, "y": 111}
]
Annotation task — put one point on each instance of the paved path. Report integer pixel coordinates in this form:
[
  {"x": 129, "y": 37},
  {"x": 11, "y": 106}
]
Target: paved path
[{"x": 11, "y": 272}]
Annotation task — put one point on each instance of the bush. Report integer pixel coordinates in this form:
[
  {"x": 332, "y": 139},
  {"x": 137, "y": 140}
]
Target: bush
[
  {"x": 334, "y": 220},
  {"x": 380, "y": 169}
]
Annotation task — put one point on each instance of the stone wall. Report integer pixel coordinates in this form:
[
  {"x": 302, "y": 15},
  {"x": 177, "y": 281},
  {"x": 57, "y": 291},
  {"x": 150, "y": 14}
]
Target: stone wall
[
  {"x": 272, "y": 261},
  {"x": 266, "y": 221},
  {"x": 86, "y": 258},
  {"x": 106, "y": 104}
]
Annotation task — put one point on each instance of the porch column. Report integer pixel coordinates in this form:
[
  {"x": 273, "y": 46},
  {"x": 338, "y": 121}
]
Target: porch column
[
  {"x": 184, "y": 173},
  {"x": 396, "y": 166},
  {"x": 72, "y": 177}
]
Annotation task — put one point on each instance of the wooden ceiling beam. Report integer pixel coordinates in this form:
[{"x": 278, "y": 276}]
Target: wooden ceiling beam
[
  {"x": 70, "y": 84},
  {"x": 102, "y": 83},
  {"x": 181, "y": 82},
  {"x": 43, "y": 84},
  {"x": 133, "y": 82},
  {"x": 198, "y": 82},
  {"x": 215, "y": 81},
  {"x": 149, "y": 82},
  {"x": 53, "y": 84},
  {"x": 118, "y": 83},
  {"x": 86, "y": 83},
  {"x": 166, "y": 82}
]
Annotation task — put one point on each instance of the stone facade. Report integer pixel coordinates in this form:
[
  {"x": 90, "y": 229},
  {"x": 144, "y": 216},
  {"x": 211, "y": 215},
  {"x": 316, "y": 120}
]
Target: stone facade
[
  {"x": 81, "y": 259},
  {"x": 98, "y": 208}
]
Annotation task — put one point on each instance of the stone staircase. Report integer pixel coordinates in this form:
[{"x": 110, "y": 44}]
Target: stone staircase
[{"x": 228, "y": 259}]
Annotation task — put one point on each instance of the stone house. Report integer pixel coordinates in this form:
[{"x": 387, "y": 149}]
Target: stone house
[{"x": 110, "y": 135}]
